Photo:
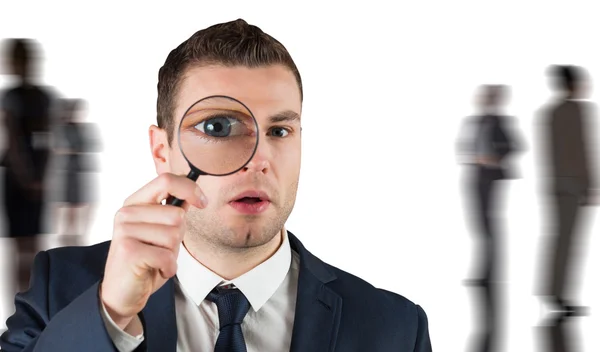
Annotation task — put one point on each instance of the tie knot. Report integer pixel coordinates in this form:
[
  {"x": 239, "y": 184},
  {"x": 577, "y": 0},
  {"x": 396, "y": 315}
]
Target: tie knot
[{"x": 231, "y": 304}]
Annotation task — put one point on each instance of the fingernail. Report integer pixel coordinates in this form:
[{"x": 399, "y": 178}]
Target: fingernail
[{"x": 201, "y": 197}]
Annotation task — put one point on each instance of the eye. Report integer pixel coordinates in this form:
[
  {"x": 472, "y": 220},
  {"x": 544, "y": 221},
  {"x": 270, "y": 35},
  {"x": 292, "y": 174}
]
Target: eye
[
  {"x": 218, "y": 126},
  {"x": 279, "y": 132}
]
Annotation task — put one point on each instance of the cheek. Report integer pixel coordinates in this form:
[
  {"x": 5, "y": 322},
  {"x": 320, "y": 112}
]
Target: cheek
[
  {"x": 288, "y": 164},
  {"x": 177, "y": 162},
  {"x": 213, "y": 188}
]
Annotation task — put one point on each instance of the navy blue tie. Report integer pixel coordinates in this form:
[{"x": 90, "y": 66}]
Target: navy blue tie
[{"x": 233, "y": 307}]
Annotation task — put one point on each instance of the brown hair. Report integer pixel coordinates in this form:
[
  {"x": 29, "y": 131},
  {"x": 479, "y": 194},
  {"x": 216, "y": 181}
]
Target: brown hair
[{"x": 234, "y": 43}]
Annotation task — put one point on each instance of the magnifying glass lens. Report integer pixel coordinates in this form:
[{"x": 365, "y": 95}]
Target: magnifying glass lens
[{"x": 218, "y": 135}]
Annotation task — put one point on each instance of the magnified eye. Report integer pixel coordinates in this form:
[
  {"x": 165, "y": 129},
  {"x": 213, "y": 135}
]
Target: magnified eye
[
  {"x": 217, "y": 135},
  {"x": 218, "y": 126}
]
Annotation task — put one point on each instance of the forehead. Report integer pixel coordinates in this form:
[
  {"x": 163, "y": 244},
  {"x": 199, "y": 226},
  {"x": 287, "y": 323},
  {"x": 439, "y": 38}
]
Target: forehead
[{"x": 264, "y": 90}]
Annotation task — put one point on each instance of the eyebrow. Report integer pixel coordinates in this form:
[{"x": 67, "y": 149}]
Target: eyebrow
[{"x": 287, "y": 115}]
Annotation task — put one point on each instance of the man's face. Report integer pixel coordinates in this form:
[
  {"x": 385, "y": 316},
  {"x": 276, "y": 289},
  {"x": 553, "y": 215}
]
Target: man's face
[{"x": 268, "y": 92}]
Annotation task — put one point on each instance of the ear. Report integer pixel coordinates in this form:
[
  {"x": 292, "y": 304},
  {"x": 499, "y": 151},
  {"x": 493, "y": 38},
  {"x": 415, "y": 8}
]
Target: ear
[{"x": 159, "y": 147}]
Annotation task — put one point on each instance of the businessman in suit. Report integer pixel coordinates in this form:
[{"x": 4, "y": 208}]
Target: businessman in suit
[
  {"x": 205, "y": 277},
  {"x": 487, "y": 151},
  {"x": 568, "y": 154}
]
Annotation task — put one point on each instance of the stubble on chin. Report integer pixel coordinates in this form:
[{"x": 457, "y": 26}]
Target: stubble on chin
[{"x": 223, "y": 234}]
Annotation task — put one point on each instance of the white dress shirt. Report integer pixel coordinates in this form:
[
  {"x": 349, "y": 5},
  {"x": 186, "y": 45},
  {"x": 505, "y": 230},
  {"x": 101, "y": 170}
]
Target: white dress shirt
[{"x": 271, "y": 289}]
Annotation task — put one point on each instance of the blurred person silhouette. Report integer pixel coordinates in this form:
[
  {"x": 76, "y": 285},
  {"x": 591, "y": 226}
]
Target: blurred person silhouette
[
  {"x": 570, "y": 183},
  {"x": 75, "y": 143},
  {"x": 26, "y": 112},
  {"x": 485, "y": 144}
]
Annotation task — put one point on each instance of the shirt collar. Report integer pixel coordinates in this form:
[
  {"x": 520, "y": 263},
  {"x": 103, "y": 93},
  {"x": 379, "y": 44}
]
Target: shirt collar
[{"x": 258, "y": 284}]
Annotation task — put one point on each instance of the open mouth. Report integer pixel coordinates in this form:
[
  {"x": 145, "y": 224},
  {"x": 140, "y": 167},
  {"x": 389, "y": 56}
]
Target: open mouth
[{"x": 250, "y": 200}]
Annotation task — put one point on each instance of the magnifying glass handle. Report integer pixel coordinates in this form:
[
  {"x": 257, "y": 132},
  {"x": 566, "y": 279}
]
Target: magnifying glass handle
[{"x": 192, "y": 175}]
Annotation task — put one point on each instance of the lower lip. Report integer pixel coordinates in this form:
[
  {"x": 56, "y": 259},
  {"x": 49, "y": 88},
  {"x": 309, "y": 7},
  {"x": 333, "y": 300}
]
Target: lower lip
[{"x": 250, "y": 208}]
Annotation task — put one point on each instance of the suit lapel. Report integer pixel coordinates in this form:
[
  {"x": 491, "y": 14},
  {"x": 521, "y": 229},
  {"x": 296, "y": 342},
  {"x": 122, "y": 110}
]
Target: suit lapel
[
  {"x": 318, "y": 308},
  {"x": 160, "y": 324}
]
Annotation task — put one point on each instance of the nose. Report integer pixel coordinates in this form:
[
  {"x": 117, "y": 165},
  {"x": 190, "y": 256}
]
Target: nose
[{"x": 260, "y": 162}]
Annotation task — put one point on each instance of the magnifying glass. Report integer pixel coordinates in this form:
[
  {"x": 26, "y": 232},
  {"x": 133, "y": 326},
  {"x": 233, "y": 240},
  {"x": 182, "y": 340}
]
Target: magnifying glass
[{"x": 218, "y": 136}]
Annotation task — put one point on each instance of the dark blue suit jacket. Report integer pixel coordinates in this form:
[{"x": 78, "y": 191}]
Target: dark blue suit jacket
[{"x": 335, "y": 311}]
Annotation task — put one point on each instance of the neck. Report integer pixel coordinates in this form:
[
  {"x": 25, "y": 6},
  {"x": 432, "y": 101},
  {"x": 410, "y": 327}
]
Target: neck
[
  {"x": 230, "y": 263},
  {"x": 24, "y": 80},
  {"x": 490, "y": 111}
]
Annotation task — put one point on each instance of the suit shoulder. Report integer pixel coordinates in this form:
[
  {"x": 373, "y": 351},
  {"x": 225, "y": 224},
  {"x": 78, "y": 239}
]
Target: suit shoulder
[
  {"x": 354, "y": 289},
  {"x": 471, "y": 119},
  {"x": 375, "y": 315},
  {"x": 510, "y": 120},
  {"x": 87, "y": 258},
  {"x": 588, "y": 108},
  {"x": 7, "y": 96}
]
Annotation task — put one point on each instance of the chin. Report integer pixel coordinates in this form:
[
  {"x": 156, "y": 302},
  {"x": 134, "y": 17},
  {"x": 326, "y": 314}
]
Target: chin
[{"x": 252, "y": 235}]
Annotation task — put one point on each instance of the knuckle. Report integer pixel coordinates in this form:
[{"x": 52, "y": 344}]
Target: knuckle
[
  {"x": 119, "y": 231},
  {"x": 129, "y": 200},
  {"x": 179, "y": 216},
  {"x": 127, "y": 247},
  {"x": 165, "y": 180},
  {"x": 182, "y": 229},
  {"x": 173, "y": 268},
  {"x": 173, "y": 237},
  {"x": 174, "y": 216},
  {"x": 121, "y": 215},
  {"x": 172, "y": 260},
  {"x": 182, "y": 213}
]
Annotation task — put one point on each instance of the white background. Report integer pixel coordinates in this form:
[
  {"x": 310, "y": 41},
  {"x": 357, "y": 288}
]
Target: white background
[{"x": 386, "y": 87}]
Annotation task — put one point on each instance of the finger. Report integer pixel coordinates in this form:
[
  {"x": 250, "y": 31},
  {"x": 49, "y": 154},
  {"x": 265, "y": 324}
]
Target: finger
[
  {"x": 150, "y": 213},
  {"x": 165, "y": 185},
  {"x": 164, "y": 236},
  {"x": 146, "y": 258}
]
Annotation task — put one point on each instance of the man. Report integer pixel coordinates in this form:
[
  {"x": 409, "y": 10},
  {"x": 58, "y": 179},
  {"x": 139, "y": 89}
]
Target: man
[
  {"x": 26, "y": 111},
  {"x": 207, "y": 277},
  {"x": 569, "y": 156},
  {"x": 488, "y": 152}
]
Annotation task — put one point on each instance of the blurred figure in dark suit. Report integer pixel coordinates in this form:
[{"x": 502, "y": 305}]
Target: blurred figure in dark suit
[
  {"x": 26, "y": 112},
  {"x": 486, "y": 152},
  {"x": 566, "y": 128},
  {"x": 75, "y": 145}
]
